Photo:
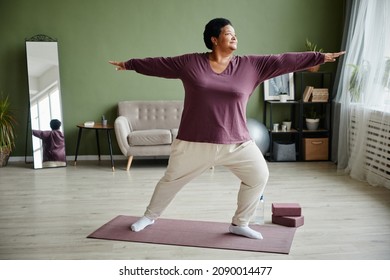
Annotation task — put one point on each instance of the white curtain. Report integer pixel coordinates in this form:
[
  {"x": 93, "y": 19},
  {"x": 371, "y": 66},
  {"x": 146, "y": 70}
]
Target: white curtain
[{"x": 363, "y": 95}]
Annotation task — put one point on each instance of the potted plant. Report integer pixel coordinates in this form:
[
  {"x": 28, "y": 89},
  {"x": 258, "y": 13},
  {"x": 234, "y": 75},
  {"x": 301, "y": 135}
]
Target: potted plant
[
  {"x": 7, "y": 131},
  {"x": 354, "y": 83},
  {"x": 312, "y": 118},
  {"x": 358, "y": 80},
  {"x": 312, "y": 47},
  {"x": 283, "y": 96}
]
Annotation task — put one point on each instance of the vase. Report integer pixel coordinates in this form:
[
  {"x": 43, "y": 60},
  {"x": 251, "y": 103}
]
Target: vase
[
  {"x": 4, "y": 156},
  {"x": 287, "y": 124},
  {"x": 283, "y": 98},
  {"x": 312, "y": 124}
]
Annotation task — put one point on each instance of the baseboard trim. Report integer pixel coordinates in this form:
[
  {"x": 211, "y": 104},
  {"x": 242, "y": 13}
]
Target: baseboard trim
[{"x": 70, "y": 158}]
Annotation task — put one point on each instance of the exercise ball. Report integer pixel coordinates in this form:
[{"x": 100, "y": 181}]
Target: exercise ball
[{"x": 259, "y": 134}]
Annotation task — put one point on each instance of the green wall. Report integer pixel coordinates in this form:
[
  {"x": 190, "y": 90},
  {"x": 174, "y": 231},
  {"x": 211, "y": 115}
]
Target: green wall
[{"x": 91, "y": 32}]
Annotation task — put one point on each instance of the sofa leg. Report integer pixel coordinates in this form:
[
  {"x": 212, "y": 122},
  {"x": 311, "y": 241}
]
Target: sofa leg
[{"x": 130, "y": 159}]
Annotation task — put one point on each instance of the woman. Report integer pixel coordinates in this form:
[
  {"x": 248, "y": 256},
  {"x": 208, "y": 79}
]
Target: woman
[
  {"x": 213, "y": 127},
  {"x": 53, "y": 143}
]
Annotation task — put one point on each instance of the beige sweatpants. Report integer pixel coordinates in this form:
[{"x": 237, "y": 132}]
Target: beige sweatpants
[{"x": 190, "y": 159}]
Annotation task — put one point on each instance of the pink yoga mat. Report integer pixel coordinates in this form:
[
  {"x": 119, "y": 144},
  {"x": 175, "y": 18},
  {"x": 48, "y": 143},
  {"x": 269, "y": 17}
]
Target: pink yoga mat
[{"x": 277, "y": 239}]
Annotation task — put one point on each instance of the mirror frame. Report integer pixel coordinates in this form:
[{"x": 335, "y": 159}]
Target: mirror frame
[{"x": 52, "y": 91}]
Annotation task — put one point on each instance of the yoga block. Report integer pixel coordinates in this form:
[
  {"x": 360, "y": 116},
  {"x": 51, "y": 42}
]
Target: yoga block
[
  {"x": 288, "y": 221},
  {"x": 286, "y": 209}
]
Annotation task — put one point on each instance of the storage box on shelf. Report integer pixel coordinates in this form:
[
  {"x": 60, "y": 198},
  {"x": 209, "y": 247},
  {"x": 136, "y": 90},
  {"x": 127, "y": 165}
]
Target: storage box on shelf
[
  {"x": 284, "y": 151},
  {"x": 315, "y": 149}
]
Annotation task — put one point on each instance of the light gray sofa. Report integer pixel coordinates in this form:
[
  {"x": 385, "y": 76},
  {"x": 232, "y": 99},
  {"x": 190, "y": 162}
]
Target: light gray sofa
[{"x": 147, "y": 128}]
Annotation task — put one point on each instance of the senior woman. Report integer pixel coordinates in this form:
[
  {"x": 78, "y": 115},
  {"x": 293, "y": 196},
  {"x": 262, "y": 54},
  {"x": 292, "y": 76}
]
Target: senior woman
[{"x": 213, "y": 127}]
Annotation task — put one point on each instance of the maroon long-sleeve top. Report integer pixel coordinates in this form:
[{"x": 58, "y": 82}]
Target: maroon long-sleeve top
[
  {"x": 53, "y": 144},
  {"x": 215, "y": 104}
]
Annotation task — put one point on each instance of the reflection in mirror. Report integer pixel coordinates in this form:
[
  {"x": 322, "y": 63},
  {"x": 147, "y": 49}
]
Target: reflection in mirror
[{"x": 45, "y": 102}]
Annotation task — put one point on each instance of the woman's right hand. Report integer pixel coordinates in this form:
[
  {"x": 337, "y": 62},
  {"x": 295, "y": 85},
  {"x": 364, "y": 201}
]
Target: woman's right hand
[{"x": 119, "y": 65}]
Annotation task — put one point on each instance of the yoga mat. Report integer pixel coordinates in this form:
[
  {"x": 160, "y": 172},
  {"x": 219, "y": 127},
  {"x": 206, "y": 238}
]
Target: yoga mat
[{"x": 277, "y": 239}]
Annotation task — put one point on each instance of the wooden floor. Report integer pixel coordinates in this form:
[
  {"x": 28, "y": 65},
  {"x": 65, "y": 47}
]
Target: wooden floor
[{"x": 47, "y": 214}]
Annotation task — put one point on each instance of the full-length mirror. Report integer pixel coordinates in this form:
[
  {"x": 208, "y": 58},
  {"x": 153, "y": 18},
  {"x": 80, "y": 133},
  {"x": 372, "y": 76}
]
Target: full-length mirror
[{"x": 48, "y": 143}]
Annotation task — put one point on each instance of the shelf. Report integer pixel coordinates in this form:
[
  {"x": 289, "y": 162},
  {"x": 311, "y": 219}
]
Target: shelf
[
  {"x": 315, "y": 131},
  {"x": 314, "y": 102},
  {"x": 279, "y": 102},
  {"x": 297, "y": 108},
  {"x": 288, "y": 131}
]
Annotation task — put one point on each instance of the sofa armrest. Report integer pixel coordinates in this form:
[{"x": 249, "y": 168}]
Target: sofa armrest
[{"x": 122, "y": 131}]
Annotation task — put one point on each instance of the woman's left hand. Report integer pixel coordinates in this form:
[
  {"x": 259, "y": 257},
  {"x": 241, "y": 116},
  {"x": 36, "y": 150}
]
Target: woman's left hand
[
  {"x": 331, "y": 57},
  {"x": 119, "y": 65}
]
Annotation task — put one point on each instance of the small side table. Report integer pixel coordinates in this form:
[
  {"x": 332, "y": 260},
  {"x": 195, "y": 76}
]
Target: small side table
[{"x": 96, "y": 127}]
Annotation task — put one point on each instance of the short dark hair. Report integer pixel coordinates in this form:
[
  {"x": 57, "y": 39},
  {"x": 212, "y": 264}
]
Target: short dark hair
[
  {"x": 55, "y": 124},
  {"x": 213, "y": 29}
]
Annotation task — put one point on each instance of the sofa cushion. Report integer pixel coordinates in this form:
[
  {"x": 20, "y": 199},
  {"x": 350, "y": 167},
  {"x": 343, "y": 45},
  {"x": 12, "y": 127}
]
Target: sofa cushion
[{"x": 150, "y": 137}]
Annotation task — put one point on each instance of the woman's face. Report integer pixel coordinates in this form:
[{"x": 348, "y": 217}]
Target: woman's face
[{"x": 227, "y": 39}]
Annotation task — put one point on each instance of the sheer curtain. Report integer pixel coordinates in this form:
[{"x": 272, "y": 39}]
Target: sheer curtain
[{"x": 363, "y": 95}]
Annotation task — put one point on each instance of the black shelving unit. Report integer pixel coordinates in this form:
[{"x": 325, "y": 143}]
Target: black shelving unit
[
  {"x": 298, "y": 131},
  {"x": 291, "y": 135},
  {"x": 317, "y": 80}
]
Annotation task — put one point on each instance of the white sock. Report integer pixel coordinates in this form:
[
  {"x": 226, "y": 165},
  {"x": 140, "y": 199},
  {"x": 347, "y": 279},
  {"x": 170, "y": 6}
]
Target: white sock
[
  {"x": 141, "y": 224},
  {"x": 245, "y": 231}
]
